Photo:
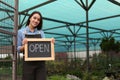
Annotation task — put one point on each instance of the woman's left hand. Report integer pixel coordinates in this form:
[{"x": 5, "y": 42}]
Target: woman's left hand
[{"x": 53, "y": 40}]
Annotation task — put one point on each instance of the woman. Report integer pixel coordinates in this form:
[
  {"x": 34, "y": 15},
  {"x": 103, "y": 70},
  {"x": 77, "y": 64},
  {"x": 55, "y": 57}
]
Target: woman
[{"x": 32, "y": 70}]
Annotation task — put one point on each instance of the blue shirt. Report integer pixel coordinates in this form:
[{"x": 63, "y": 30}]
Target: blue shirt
[{"x": 21, "y": 35}]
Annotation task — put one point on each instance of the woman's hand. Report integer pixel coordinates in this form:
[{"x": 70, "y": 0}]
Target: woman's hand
[
  {"x": 53, "y": 40},
  {"x": 24, "y": 41},
  {"x": 23, "y": 44}
]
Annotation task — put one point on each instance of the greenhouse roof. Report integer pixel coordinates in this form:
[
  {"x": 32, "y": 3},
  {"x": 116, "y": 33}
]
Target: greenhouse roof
[{"x": 66, "y": 21}]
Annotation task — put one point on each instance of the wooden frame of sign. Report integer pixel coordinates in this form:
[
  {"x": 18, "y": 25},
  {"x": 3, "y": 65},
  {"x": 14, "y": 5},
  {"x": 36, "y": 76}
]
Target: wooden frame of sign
[{"x": 39, "y": 49}]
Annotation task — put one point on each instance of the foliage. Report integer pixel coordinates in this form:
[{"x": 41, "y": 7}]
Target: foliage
[
  {"x": 55, "y": 67},
  {"x": 76, "y": 72},
  {"x": 94, "y": 77},
  {"x": 7, "y": 71},
  {"x": 61, "y": 67},
  {"x": 77, "y": 67},
  {"x": 74, "y": 67},
  {"x": 108, "y": 44},
  {"x": 19, "y": 67},
  {"x": 99, "y": 62},
  {"x": 86, "y": 76},
  {"x": 6, "y": 62},
  {"x": 57, "y": 77},
  {"x": 8, "y": 58}
]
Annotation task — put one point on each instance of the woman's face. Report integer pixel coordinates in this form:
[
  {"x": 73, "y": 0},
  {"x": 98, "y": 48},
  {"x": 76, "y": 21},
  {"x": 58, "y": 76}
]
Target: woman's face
[{"x": 34, "y": 20}]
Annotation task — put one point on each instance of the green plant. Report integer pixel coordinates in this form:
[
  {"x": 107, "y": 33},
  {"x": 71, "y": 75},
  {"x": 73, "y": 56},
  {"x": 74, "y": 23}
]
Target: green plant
[
  {"x": 94, "y": 77},
  {"x": 55, "y": 67},
  {"x": 76, "y": 72},
  {"x": 57, "y": 77},
  {"x": 108, "y": 44},
  {"x": 86, "y": 76}
]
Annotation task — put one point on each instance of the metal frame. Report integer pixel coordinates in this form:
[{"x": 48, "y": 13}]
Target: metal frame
[{"x": 14, "y": 33}]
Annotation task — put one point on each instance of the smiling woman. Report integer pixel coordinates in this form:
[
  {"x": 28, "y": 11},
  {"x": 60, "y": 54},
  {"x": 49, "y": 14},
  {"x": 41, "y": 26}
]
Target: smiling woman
[{"x": 32, "y": 70}]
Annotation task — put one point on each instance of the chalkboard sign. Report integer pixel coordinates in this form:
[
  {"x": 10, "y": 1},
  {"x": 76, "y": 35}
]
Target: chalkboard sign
[{"x": 38, "y": 49}]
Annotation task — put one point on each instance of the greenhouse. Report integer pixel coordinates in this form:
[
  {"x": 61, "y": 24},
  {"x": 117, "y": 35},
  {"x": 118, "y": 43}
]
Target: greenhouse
[{"x": 86, "y": 34}]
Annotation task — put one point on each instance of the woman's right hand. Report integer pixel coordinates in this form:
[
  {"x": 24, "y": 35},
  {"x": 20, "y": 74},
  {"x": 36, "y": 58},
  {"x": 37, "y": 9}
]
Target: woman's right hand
[
  {"x": 24, "y": 41},
  {"x": 23, "y": 44}
]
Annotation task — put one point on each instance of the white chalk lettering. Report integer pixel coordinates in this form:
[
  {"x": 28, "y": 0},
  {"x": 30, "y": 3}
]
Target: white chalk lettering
[
  {"x": 36, "y": 47},
  {"x": 39, "y": 48},
  {"x": 31, "y": 48},
  {"x": 46, "y": 48}
]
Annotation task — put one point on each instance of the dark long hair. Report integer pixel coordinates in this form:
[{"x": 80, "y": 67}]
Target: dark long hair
[{"x": 39, "y": 27}]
